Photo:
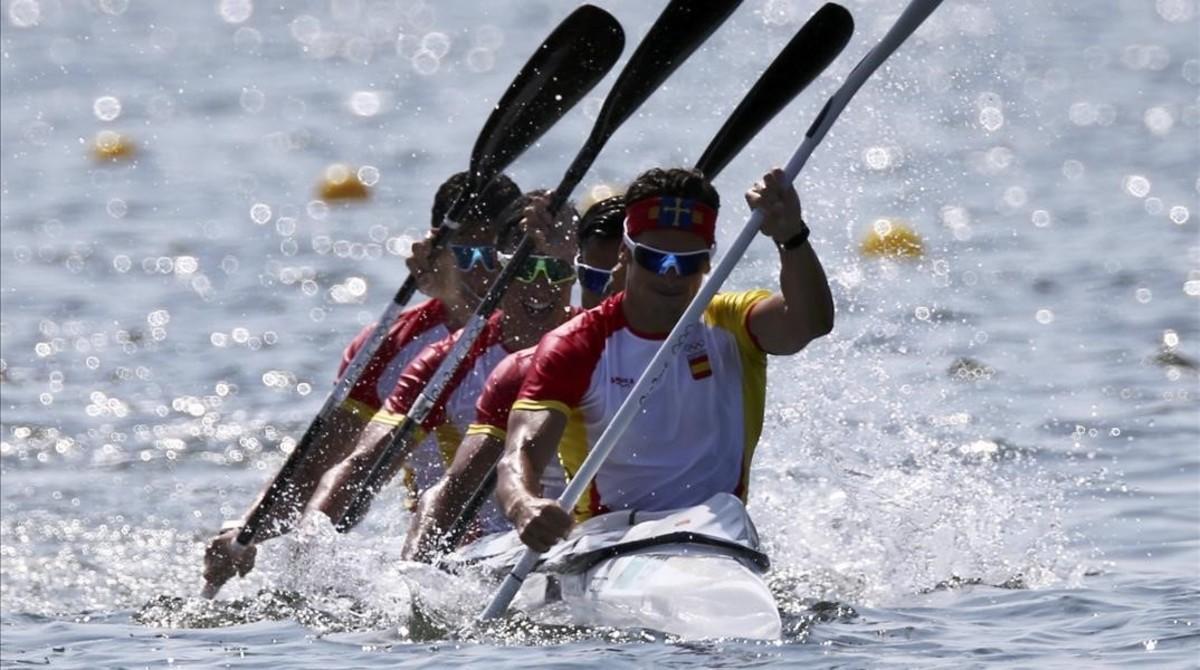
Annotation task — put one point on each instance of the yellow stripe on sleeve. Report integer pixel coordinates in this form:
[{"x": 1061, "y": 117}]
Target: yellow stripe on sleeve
[
  {"x": 536, "y": 405},
  {"x": 484, "y": 429}
]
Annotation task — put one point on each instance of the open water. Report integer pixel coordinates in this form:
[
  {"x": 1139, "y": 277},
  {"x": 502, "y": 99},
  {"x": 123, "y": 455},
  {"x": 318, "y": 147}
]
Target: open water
[{"x": 995, "y": 458}]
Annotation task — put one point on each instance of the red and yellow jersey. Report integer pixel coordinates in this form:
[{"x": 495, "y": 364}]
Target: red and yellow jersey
[
  {"x": 492, "y": 409},
  {"x": 415, "y": 329},
  {"x": 696, "y": 433},
  {"x": 448, "y": 419}
]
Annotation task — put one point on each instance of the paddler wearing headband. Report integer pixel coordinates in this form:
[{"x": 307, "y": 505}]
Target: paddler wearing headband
[
  {"x": 696, "y": 435},
  {"x": 453, "y": 280}
]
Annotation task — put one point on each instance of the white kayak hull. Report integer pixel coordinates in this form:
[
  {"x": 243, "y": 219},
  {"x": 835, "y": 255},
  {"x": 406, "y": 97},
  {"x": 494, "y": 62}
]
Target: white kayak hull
[{"x": 695, "y": 573}]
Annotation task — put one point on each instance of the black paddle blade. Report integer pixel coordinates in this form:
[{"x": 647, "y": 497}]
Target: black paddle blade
[
  {"x": 568, "y": 64},
  {"x": 804, "y": 58},
  {"x": 681, "y": 28}
]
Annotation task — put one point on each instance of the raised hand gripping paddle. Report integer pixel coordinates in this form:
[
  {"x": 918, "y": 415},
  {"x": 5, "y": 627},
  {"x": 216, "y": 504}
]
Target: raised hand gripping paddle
[
  {"x": 916, "y": 12},
  {"x": 568, "y": 64},
  {"x": 808, "y": 53},
  {"x": 681, "y": 28}
]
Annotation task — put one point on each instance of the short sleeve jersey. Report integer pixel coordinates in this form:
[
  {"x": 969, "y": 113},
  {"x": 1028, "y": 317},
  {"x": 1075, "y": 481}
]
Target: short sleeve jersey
[
  {"x": 415, "y": 329},
  {"x": 447, "y": 419},
  {"x": 491, "y": 413},
  {"x": 697, "y": 432}
]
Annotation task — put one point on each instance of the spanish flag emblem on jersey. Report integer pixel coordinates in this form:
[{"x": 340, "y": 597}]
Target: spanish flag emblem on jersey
[{"x": 700, "y": 366}]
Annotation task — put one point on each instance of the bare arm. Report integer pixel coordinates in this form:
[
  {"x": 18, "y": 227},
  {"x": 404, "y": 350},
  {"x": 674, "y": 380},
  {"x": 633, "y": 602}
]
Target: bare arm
[
  {"x": 441, "y": 505},
  {"x": 343, "y": 481},
  {"x": 533, "y": 437},
  {"x": 803, "y": 310},
  {"x": 224, "y": 557}
]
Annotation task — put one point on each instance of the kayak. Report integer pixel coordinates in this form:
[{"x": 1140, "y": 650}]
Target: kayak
[{"x": 695, "y": 573}]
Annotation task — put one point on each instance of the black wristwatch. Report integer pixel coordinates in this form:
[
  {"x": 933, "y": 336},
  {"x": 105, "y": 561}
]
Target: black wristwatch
[{"x": 795, "y": 240}]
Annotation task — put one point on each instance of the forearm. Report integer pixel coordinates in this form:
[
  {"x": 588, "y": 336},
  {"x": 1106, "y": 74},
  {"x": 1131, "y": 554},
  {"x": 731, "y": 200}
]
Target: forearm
[
  {"x": 330, "y": 446},
  {"x": 808, "y": 303},
  {"x": 442, "y": 507},
  {"x": 532, "y": 441},
  {"x": 517, "y": 481}
]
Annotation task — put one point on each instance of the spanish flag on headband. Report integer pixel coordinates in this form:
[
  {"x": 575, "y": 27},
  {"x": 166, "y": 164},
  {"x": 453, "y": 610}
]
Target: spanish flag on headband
[{"x": 700, "y": 366}]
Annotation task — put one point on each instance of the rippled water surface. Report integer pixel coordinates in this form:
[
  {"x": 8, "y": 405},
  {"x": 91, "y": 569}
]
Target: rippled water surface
[{"x": 994, "y": 458}]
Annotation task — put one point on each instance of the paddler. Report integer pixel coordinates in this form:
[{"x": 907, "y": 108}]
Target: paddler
[
  {"x": 599, "y": 238},
  {"x": 537, "y": 301},
  {"x": 696, "y": 435},
  {"x": 454, "y": 282}
]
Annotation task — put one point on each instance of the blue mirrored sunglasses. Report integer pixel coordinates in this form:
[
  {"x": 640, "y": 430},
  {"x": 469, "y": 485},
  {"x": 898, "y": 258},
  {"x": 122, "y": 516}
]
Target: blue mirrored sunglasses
[
  {"x": 467, "y": 256},
  {"x": 660, "y": 262},
  {"x": 592, "y": 278}
]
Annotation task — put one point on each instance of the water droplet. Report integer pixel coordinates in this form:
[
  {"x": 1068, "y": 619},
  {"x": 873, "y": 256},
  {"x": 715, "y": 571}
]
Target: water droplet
[
  {"x": 106, "y": 108},
  {"x": 436, "y": 43},
  {"x": 317, "y": 209},
  {"x": 1015, "y": 197},
  {"x": 425, "y": 63},
  {"x": 877, "y": 158},
  {"x": 1040, "y": 218},
  {"x": 1159, "y": 120},
  {"x": 303, "y": 388},
  {"x": 1143, "y": 295},
  {"x": 114, "y": 7},
  {"x": 260, "y": 213},
  {"x": 1153, "y": 205},
  {"x": 1072, "y": 169},
  {"x": 1175, "y": 11},
  {"x": 24, "y": 13},
  {"x": 1179, "y": 214},
  {"x": 229, "y": 265},
  {"x": 368, "y": 175},
  {"x": 1170, "y": 339},
  {"x": 117, "y": 208},
  {"x": 922, "y": 313},
  {"x": 991, "y": 118},
  {"x": 365, "y": 103},
  {"x": 122, "y": 263},
  {"x": 252, "y": 100},
  {"x": 1137, "y": 185},
  {"x": 289, "y": 247},
  {"x": 235, "y": 11},
  {"x": 1044, "y": 316},
  {"x": 247, "y": 39},
  {"x": 480, "y": 60},
  {"x": 305, "y": 28}
]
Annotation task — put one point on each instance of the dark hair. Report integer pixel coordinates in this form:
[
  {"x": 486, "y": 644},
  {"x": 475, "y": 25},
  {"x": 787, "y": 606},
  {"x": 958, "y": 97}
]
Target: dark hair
[
  {"x": 487, "y": 207},
  {"x": 508, "y": 233},
  {"x": 676, "y": 182},
  {"x": 603, "y": 220}
]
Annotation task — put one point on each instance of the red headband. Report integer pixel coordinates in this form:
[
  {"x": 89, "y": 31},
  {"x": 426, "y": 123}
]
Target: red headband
[{"x": 666, "y": 212}]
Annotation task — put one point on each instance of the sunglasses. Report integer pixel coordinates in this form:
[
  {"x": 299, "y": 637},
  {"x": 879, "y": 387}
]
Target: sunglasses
[
  {"x": 685, "y": 263},
  {"x": 556, "y": 270},
  {"x": 467, "y": 256},
  {"x": 592, "y": 278}
]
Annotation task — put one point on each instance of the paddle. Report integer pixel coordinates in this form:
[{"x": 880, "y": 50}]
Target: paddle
[
  {"x": 808, "y": 53},
  {"x": 568, "y": 64},
  {"x": 681, "y": 28},
  {"x": 916, "y": 12}
]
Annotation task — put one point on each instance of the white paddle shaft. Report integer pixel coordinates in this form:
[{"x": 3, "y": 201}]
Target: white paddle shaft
[{"x": 915, "y": 14}]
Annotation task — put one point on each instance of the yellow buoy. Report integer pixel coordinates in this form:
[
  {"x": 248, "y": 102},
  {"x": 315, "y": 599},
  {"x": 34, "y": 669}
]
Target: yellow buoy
[
  {"x": 341, "y": 182},
  {"x": 111, "y": 146},
  {"x": 892, "y": 238}
]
